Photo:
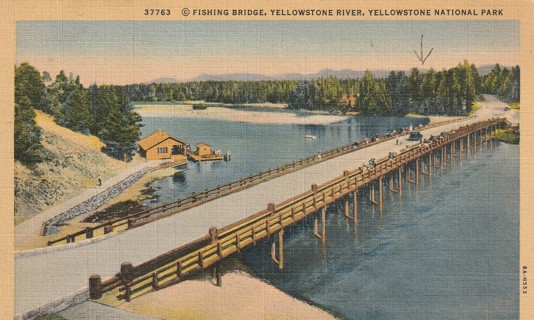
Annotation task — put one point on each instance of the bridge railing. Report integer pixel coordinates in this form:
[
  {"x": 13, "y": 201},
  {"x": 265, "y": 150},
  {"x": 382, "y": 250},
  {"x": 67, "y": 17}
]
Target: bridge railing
[
  {"x": 175, "y": 265},
  {"x": 148, "y": 215}
]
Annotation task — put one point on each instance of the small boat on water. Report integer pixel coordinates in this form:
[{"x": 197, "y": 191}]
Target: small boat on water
[
  {"x": 200, "y": 107},
  {"x": 310, "y": 136}
]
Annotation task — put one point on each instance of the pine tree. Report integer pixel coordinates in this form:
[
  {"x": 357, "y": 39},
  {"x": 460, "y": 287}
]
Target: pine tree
[
  {"x": 28, "y": 148},
  {"x": 76, "y": 113},
  {"x": 28, "y": 83},
  {"x": 120, "y": 129}
]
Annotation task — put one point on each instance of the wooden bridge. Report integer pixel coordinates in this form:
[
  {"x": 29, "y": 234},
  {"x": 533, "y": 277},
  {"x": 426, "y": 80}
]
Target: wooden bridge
[
  {"x": 136, "y": 219},
  {"x": 206, "y": 252}
]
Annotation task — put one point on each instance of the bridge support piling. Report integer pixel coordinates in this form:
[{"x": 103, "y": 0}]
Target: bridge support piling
[
  {"x": 321, "y": 236},
  {"x": 442, "y": 158},
  {"x": 346, "y": 207},
  {"x": 323, "y": 230},
  {"x": 381, "y": 191},
  {"x": 468, "y": 146},
  {"x": 400, "y": 181},
  {"x": 355, "y": 207},
  {"x": 461, "y": 148},
  {"x": 417, "y": 172},
  {"x": 281, "y": 249},
  {"x": 218, "y": 273},
  {"x": 430, "y": 165},
  {"x": 372, "y": 193},
  {"x": 409, "y": 174}
]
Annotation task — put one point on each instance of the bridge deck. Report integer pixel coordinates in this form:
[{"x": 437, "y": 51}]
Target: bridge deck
[{"x": 46, "y": 276}]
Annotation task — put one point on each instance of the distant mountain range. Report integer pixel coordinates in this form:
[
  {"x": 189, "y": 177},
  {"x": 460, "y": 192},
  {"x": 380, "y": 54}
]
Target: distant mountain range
[{"x": 341, "y": 74}]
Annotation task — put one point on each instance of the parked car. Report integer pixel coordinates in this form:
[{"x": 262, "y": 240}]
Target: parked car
[
  {"x": 415, "y": 136},
  {"x": 506, "y": 108}
]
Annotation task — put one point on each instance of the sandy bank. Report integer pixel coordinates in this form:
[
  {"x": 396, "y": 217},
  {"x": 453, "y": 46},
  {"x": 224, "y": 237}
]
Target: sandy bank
[
  {"x": 255, "y": 105},
  {"x": 240, "y": 297},
  {"x": 227, "y": 114}
]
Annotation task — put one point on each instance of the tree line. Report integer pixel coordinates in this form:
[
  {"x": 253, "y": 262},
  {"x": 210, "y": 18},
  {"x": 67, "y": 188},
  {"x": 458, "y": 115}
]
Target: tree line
[
  {"x": 449, "y": 91},
  {"x": 104, "y": 111},
  {"x": 276, "y": 91}
]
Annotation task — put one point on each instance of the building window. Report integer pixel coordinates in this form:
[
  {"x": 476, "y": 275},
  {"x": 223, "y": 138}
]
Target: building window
[{"x": 162, "y": 150}]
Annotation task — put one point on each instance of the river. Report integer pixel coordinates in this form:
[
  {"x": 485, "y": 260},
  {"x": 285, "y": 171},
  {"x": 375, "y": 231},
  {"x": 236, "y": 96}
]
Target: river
[
  {"x": 256, "y": 147},
  {"x": 449, "y": 250}
]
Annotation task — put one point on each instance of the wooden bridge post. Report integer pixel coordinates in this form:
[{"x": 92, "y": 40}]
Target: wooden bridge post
[
  {"x": 314, "y": 189},
  {"x": 108, "y": 229},
  {"x": 475, "y": 142},
  {"x": 323, "y": 230},
  {"x": 381, "y": 190},
  {"x": 216, "y": 270},
  {"x": 442, "y": 158},
  {"x": 214, "y": 235},
  {"x": 95, "y": 287},
  {"x": 417, "y": 172},
  {"x": 218, "y": 273},
  {"x": 468, "y": 145},
  {"x": 281, "y": 249},
  {"x": 88, "y": 233},
  {"x": 372, "y": 193},
  {"x": 430, "y": 165},
  {"x": 346, "y": 207},
  {"x": 126, "y": 273},
  {"x": 355, "y": 207},
  {"x": 461, "y": 148},
  {"x": 400, "y": 181}
]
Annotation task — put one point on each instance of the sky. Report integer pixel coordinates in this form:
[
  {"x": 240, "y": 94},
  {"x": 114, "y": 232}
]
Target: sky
[{"x": 122, "y": 52}]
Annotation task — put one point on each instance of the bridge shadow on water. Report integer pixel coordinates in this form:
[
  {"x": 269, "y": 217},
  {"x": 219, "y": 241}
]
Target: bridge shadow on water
[{"x": 446, "y": 249}]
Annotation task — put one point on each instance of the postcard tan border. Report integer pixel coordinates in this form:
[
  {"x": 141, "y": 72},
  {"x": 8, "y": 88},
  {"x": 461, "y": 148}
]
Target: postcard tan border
[{"x": 12, "y": 11}]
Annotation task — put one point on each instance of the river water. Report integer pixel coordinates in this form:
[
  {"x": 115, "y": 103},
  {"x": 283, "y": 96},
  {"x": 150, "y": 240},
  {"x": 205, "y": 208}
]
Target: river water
[
  {"x": 256, "y": 147},
  {"x": 449, "y": 250}
]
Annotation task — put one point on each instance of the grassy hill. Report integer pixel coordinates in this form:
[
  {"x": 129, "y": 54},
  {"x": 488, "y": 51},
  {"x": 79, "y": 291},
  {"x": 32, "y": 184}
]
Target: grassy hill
[{"x": 73, "y": 162}]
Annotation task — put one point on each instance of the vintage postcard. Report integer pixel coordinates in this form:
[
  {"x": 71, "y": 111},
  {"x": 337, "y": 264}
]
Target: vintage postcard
[{"x": 267, "y": 160}]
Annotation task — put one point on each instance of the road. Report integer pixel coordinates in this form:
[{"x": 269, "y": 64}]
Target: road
[{"x": 46, "y": 276}]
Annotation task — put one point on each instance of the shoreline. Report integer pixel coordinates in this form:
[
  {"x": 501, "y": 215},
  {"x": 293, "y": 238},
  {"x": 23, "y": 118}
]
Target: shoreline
[
  {"x": 250, "y": 297},
  {"x": 232, "y": 112},
  {"x": 239, "y": 115}
]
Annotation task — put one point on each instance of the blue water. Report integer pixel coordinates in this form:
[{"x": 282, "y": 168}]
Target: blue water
[
  {"x": 256, "y": 147},
  {"x": 447, "y": 251}
]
